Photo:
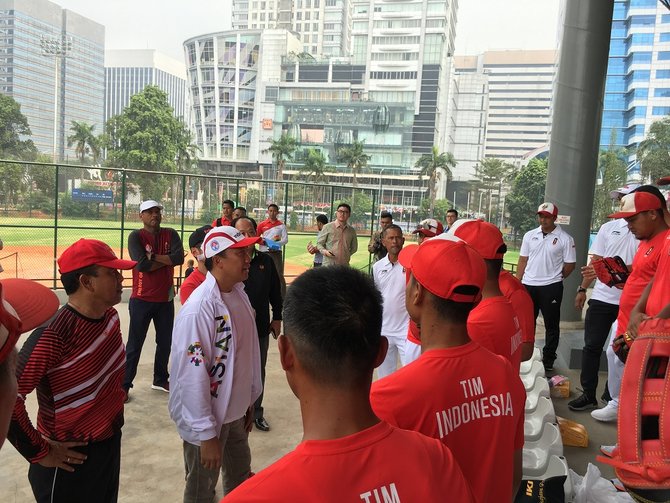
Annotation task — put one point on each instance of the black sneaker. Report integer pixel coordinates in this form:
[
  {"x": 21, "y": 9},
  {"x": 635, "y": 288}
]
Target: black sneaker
[
  {"x": 583, "y": 402},
  {"x": 548, "y": 366}
]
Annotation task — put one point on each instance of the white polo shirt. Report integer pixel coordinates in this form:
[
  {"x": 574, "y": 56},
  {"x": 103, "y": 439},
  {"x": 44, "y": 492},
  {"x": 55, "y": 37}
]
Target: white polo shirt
[
  {"x": 613, "y": 238},
  {"x": 546, "y": 256},
  {"x": 391, "y": 280}
]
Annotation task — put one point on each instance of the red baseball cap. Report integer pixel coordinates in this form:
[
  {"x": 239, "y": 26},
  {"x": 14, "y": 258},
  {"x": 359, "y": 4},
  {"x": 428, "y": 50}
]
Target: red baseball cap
[
  {"x": 24, "y": 305},
  {"x": 663, "y": 181},
  {"x": 636, "y": 202},
  {"x": 484, "y": 237},
  {"x": 224, "y": 237},
  {"x": 443, "y": 265},
  {"x": 548, "y": 209},
  {"x": 429, "y": 228},
  {"x": 86, "y": 252}
]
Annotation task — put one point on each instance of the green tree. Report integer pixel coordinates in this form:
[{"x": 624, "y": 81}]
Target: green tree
[
  {"x": 314, "y": 167},
  {"x": 282, "y": 150},
  {"x": 84, "y": 140},
  {"x": 361, "y": 206},
  {"x": 526, "y": 195},
  {"x": 653, "y": 153},
  {"x": 494, "y": 175},
  {"x": 147, "y": 136},
  {"x": 354, "y": 157},
  {"x": 431, "y": 166},
  {"x": 11, "y": 182},
  {"x": 612, "y": 174},
  {"x": 440, "y": 208},
  {"x": 14, "y": 125}
]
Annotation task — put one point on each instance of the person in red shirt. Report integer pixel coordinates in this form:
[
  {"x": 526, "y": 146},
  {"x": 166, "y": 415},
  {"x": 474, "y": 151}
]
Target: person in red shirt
[
  {"x": 347, "y": 453},
  {"x": 227, "y": 217},
  {"x": 198, "y": 275},
  {"x": 493, "y": 323},
  {"x": 456, "y": 391},
  {"x": 157, "y": 250},
  {"x": 76, "y": 364},
  {"x": 513, "y": 289}
]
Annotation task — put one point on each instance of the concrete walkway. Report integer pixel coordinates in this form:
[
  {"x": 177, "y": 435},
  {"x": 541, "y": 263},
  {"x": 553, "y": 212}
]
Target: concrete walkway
[{"x": 152, "y": 465}]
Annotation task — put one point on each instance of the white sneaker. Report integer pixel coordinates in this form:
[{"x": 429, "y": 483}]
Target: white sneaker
[{"x": 607, "y": 414}]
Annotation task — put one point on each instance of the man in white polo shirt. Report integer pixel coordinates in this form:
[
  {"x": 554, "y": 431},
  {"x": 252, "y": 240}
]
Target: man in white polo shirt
[
  {"x": 613, "y": 239},
  {"x": 547, "y": 257},
  {"x": 389, "y": 277}
]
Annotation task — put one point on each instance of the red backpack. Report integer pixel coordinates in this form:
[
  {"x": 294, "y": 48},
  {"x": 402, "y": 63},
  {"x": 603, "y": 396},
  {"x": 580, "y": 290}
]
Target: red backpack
[{"x": 642, "y": 462}]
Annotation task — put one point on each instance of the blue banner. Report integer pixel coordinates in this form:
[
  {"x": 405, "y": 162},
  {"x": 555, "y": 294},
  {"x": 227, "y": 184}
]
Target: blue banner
[{"x": 92, "y": 196}]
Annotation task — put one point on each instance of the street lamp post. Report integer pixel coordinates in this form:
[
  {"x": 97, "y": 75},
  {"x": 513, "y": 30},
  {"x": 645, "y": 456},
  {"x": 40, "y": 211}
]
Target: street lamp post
[{"x": 58, "y": 48}]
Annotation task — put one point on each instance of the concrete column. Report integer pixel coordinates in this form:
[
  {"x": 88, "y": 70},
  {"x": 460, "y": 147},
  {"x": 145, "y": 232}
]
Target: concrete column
[{"x": 575, "y": 136}]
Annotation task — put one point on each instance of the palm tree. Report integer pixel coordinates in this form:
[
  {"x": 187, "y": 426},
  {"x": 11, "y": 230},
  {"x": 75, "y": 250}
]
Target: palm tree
[
  {"x": 282, "y": 150},
  {"x": 354, "y": 157},
  {"x": 314, "y": 168},
  {"x": 85, "y": 141},
  {"x": 431, "y": 165}
]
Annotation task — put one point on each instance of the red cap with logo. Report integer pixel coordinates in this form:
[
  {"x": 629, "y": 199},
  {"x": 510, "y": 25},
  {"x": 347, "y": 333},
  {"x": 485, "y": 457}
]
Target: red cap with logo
[
  {"x": 485, "y": 238},
  {"x": 636, "y": 202},
  {"x": 429, "y": 228},
  {"x": 444, "y": 265},
  {"x": 87, "y": 252},
  {"x": 548, "y": 209}
]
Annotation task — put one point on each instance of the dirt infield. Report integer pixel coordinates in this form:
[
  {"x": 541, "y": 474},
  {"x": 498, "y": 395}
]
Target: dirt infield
[{"x": 37, "y": 263}]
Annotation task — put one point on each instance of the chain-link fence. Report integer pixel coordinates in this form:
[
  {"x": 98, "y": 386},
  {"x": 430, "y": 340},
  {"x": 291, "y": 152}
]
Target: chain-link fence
[{"x": 44, "y": 208}]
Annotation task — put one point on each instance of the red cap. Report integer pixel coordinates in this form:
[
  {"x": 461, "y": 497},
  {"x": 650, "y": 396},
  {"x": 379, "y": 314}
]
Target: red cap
[
  {"x": 484, "y": 237},
  {"x": 636, "y": 202},
  {"x": 429, "y": 228},
  {"x": 548, "y": 209},
  {"x": 442, "y": 265},
  {"x": 87, "y": 252},
  {"x": 24, "y": 306},
  {"x": 224, "y": 237},
  {"x": 663, "y": 181}
]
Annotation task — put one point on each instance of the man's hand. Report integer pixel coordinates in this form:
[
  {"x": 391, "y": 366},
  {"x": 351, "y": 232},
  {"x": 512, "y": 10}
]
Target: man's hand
[
  {"x": 580, "y": 299},
  {"x": 636, "y": 318},
  {"x": 210, "y": 454},
  {"x": 275, "y": 328},
  {"x": 61, "y": 455},
  {"x": 249, "y": 419},
  {"x": 327, "y": 253},
  {"x": 588, "y": 272}
]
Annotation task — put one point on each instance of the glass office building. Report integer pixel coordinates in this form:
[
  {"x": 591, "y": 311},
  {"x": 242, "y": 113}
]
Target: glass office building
[
  {"x": 637, "y": 90},
  {"x": 52, "y": 64}
]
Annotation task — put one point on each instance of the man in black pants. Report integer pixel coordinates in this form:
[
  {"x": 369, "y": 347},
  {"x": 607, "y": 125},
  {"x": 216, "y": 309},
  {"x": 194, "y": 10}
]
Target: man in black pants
[
  {"x": 613, "y": 239},
  {"x": 263, "y": 288},
  {"x": 157, "y": 250},
  {"x": 546, "y": 258}
]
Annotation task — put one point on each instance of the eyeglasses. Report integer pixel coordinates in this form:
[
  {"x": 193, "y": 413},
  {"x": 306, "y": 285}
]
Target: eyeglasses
[{"x": 343, "y": 211}]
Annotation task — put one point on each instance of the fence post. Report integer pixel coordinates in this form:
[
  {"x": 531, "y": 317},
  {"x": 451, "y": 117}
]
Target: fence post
[
  {"x": 124, "y": 180},
  {"x": 283, "y": 249},
  {"x": 55, "y": 269}
]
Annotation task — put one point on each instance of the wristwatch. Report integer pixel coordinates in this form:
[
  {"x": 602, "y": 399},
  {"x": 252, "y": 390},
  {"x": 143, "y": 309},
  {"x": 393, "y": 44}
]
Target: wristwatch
[{"x": 581, "y": 289}]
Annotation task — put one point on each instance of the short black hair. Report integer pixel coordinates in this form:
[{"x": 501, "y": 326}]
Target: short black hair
[
  {"x": 345, "y": 205},
  {"x": 493, "y": 267},
  {"x": 253, "y": 222},
  {"x": 70, "y": 279},
  {"x": 338, "y": 341},
  {"x": 209, "y": 262},
  {"x": 273, "y": 205},
  {"x": 228, "y": 201},
  {"x": 322, "y": 218},
  {"x": 242, "y": 208},
  {"x": 385, "y": 214},
  {"x": 654, "y": 191},
  {"x": 391, "y": 227},
  {"x": 452, "y": 210},
  {"x": 448, "y": 310}
]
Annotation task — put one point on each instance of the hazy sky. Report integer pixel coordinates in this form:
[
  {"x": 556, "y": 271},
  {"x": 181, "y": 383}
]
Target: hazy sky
[{"x": 165, "y": 24}]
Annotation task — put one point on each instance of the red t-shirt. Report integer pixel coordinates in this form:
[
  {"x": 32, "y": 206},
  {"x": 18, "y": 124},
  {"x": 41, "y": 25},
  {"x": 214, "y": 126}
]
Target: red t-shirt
[
  {"x": 267, "y": 224},
  {"x": 158, "y": 285},
  {"x": 659, "y": 296},
  {"x": 381, "y": 463},
  {"x": 193, "y": 281},
  {"x": 217, "y": 222},
  {"x": 470, "y": 399},
  {"x": 644, "y": 267},
  {"x": 517, "y": 294},
  {"x": 493, "y": 324}
]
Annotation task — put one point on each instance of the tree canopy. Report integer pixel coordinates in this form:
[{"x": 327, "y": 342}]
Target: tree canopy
[
  {"x": 611, "y": 175},
  {"x": 653, "y": 153},
  {"x": 430, "y": 166},
  {"x": 85, "y": 141},
  {"x": 354, "y": 157},
  {"x": 526, "y": 195},
  {"x": 13, "y": 126},
  {"x": 282, "y": 150}
]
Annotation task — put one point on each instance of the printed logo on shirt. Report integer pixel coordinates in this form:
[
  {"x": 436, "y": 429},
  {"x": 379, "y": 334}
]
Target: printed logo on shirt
[
  {"x": 478, "y": 407},
  {"x": 218, "y": 369},
  {"x": 223, "y": 322},
  {"x": 383, "y": 494},
  {"x": 651, "y": 248},
  {"x": 195, "y": 354},
  {"x": 148, "y": 248},
  {"x": 554, "y": 241},
  {"x": 535, "y": 238}
]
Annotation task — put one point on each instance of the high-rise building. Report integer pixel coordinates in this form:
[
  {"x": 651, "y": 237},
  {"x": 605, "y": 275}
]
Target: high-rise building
[
  {"x": 637, "y": 89},
  {"x": 127, "y": 72},
  {"x": 323, "y": 26},
  {"x": 51, "y": 63}
]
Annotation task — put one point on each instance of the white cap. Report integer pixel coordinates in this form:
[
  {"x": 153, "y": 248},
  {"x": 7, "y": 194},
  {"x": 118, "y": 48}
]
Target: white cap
[
  {"x": 224, "y": 237},
  {"x": 622, "y": 191},
  {"x": 150, "y": 203}
]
